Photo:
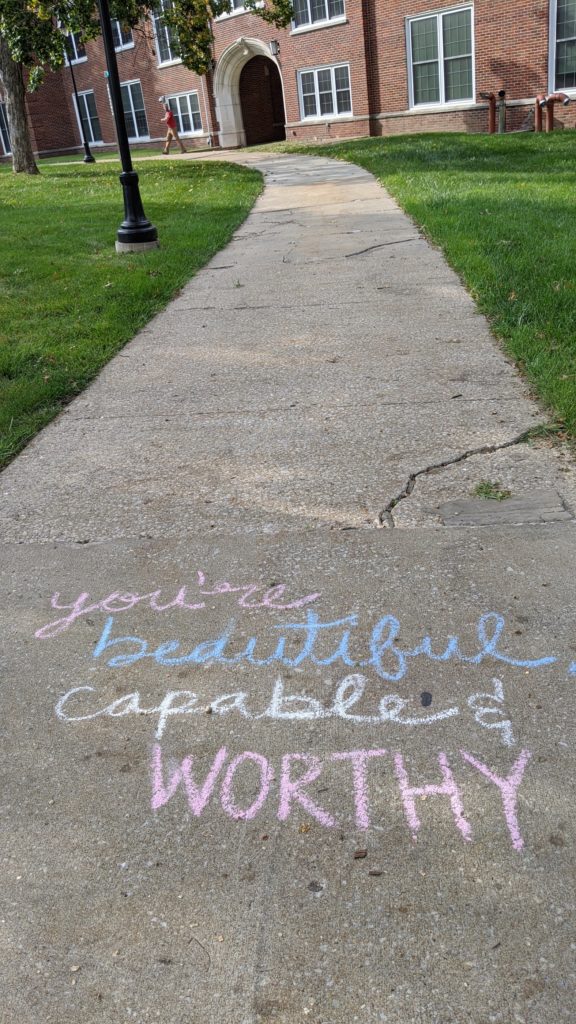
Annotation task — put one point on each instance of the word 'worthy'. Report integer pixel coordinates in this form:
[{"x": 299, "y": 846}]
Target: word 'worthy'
[{"x": 299, "y": 771}]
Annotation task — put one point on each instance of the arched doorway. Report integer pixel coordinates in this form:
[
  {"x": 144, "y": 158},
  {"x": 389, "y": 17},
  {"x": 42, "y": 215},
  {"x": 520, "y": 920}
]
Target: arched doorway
[
  {"x": 261, "y": 102},
  {"x": 259, "y": 114}
]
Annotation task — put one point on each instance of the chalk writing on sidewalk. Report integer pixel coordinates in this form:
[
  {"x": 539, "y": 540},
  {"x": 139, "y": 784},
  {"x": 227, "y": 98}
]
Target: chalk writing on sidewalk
[
  {"x": 298, "y": 771},
  {"x": 274, "y": 636},
  {"x": 76, "y": 706},
  {"x": 386, "y": 656},
  {"x": 251, "y": 596}
]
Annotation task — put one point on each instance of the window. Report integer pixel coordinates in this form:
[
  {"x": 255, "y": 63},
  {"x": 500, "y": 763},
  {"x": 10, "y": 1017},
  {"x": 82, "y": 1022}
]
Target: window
[
  {"x": 236, "y": 7},
  {"x": 165, "y": 37},
  {"x": 4, "y": 133},
  {"x": 75, "y": 48},
  {"x": 563, "y": 32},
  {"x": 309, "y": 12},
  {"x": 440, "y": 51},
  {"x": 134, "y": 112},
  {"x": 88, "y": 116},
  {"x": 186, "y": 110},
  {"x": 122, "y": 37},
  {"x": 325, "y": 92}
]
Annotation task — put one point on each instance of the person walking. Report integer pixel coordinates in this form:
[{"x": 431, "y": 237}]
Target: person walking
[{"x": 172, "y": 132}]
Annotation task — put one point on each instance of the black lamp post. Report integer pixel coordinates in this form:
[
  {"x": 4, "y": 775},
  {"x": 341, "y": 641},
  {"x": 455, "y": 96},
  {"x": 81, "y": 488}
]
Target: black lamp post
[
  {"x": 88, "y": 158},
  {"x": 136, "y": 233}
]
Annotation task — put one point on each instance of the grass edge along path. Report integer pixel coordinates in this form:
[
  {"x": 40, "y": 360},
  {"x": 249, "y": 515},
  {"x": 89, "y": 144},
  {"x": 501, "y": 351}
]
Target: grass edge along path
[
  {"x": 69, "y": 301},
  {"x": 502, "y": 209}
]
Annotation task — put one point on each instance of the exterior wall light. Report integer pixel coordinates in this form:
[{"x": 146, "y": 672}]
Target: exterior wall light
[{"x": 274, "y": 47}]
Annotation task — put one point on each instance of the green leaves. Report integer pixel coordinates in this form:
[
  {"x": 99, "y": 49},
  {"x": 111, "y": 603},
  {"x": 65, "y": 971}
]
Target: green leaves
[{"x": 35, "y": 29}]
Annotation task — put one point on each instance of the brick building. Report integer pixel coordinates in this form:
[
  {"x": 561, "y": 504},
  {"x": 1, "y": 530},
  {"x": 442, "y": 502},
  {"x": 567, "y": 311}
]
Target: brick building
[{"x": 344, "y": 68}]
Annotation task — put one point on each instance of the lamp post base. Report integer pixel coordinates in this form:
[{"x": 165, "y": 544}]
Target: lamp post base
[
  {"x": 136, "y": 233},
  {"x": 137, "y": 246}
]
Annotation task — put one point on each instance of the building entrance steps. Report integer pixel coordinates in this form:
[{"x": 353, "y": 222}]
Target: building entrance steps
[{"x": 288, "y": 718}]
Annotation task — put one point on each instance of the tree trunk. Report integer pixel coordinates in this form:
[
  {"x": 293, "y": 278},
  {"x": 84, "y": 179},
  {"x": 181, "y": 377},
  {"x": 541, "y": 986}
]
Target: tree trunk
[{"x": 12, "y": 82}]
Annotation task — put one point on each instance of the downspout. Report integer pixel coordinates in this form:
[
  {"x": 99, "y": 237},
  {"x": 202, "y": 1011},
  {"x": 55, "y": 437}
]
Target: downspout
[
  {"x": 502, "y": 111},
  {"x": 491, "y": 110},
  {"x": 554, "y": 97},
  {"x": 540, "y": 103}
]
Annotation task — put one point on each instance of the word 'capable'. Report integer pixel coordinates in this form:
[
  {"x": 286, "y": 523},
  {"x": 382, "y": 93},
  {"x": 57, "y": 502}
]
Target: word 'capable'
[
  {"x": 299, "y": 771},
  {"x": 77, "y": 706}
]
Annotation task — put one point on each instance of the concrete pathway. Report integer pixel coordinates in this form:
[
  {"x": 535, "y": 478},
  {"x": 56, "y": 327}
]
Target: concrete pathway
[{"x": 287, "y": 713}]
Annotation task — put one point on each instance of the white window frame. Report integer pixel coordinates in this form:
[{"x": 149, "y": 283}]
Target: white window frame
[
  {"x": 335, "y": 116},
  {"x": 162, "y": 5},
  {"x": 6, "y": 152},
  {"x": 309, "y": 26},
  {"x": 571, "y": 90},
  {"x": 123, "y": 46},
  {"x": 442, "y": 102},
  {"x": 137, "y": 138},
  {"x": 232, "y": 14},
  {"x": 71, "y": 37},
  {"x": 91, "y": 140},
  {"x": 186, "y": 95}
]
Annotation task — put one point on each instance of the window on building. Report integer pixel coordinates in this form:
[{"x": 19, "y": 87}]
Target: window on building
[
  {"x": 325, "y": 92},
  {"x": 309, "y": 12},
  {"x": 564, "y": 76},
  {"x": 4, "y": 133},
  {"x": 165, "y": 37},
  {"x": 440, "y": 57},
  {"x": 122, "y": 37},
  {"x": 186, "y": 110},
  {"x": 134, "y": 111},
  {"x": 75, "y": 49},
  {"x": 88, "y": 115}
]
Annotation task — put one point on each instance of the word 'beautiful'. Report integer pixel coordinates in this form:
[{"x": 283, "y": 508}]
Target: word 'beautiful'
[{"x": 386, "y": 656}]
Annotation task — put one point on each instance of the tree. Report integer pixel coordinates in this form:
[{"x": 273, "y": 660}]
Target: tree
[
  {"x": 12, "y": 81},
  {"x": 33, "y": 38}
]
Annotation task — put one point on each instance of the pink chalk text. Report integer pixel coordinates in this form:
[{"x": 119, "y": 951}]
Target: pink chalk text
[
  {"x": 249, "y": 595},
  {"x": 299, "y": 771}
]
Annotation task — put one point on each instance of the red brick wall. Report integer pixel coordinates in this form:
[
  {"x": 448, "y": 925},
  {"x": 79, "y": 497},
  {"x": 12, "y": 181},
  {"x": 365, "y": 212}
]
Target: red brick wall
[
  {"x": 511, "y": 52},
  {"x": 138, "y": 63},
  {"x": 337, "y": 43},
  {"x": 50, "y": 116}
]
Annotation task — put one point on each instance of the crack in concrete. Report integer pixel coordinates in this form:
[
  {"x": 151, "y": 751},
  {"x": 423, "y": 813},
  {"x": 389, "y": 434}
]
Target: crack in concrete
[
  {"x": 316, "y": 260},
  {"x": 386, "y": 518},
  {"x": 381, "y": 245}
]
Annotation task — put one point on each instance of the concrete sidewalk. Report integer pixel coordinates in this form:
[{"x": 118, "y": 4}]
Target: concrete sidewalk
[
  {"x": 288, "y": 714},
  {"x": 300, "y": 379}
]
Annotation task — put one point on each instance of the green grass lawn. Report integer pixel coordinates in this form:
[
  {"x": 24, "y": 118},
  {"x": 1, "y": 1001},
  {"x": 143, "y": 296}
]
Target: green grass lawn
[
  {"x": 138, "y": 152},
  {"x": 68, "y": 301},
  {"x": 503, "y": 210}
]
